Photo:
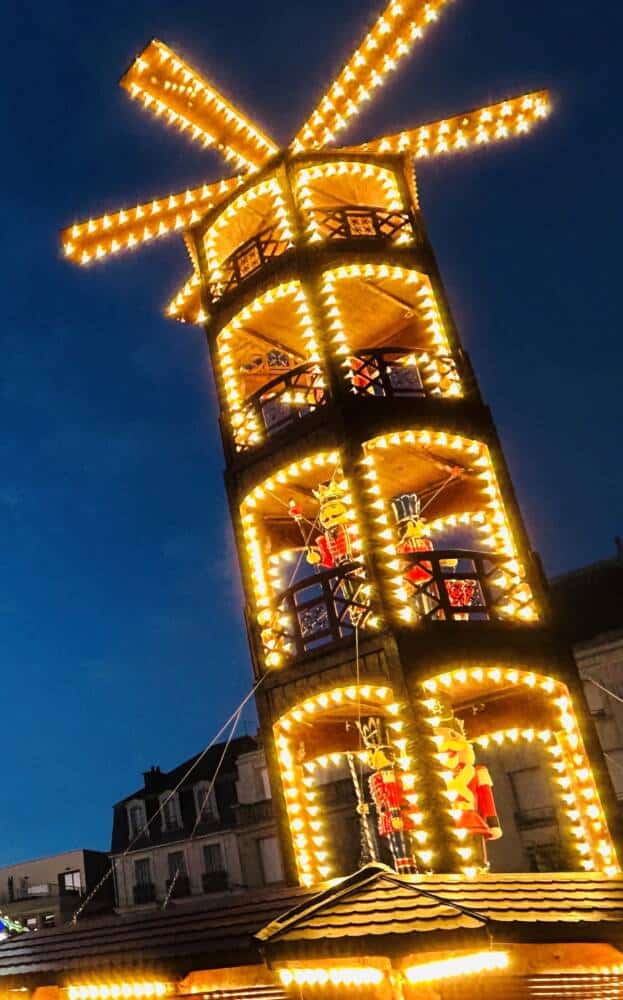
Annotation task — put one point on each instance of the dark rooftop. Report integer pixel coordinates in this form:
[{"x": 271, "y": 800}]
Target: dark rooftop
[{"x": 588, "y": 602}]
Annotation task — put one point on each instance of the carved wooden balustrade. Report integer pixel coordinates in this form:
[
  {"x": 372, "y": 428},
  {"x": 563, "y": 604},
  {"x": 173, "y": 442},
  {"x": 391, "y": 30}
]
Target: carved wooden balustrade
[
  {"x": 354, "y": 222},
  {"x": 247, "y": 259},
  {"x": 286, "y": 398},
  {"x": 399, "y": 372},
  {"x": 460, "y": 584},
  {"x": 324, "y": 607}
]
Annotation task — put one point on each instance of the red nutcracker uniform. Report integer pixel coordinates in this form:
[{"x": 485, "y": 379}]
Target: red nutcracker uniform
[
  {"x": 388, "y": 795},
  {"x": 471, "y": 784}
]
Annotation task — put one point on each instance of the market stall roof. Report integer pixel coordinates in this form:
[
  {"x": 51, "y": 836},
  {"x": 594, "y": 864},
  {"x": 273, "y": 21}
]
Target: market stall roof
[
  {"x": 186, "y": 936},
  {"x": 376, "y": 903}
]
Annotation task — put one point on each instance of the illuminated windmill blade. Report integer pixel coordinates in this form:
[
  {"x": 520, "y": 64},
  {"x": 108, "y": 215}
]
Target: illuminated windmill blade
[
  {"x": 173, "y": 90},
  {"x": 489, "y": 124},
  {"x": 402, "y": 23},
  {"x": 130, "y": 227},
  {"x": 185, "y": 306}
]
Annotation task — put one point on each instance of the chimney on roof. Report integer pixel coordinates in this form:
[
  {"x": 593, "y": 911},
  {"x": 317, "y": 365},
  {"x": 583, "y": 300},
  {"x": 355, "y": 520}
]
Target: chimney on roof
[{"x": 152, "y": 778}]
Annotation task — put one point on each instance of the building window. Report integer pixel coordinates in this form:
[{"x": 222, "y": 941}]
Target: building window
[
  {"x": 262, "y": 783},
  {"x": 136, "y": 818},
  {"x": 142, "y": 871},
  {"x": 71, "y": 882},
  {"x": 533, "y": 797},
  {"x": 614, "y": 760},
  {"x": 270, "y": 860},
  {"x": 213, "y": 858},
  {"x": 545, "y": 857},
  {"x": 177, "y": 864},
  {"x": 205, "y": 803},
  {"x": 169, "y": 806}
]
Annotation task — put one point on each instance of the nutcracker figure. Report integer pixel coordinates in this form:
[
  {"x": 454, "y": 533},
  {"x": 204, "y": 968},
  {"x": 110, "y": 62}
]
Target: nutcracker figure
[
  {"x": 389, "y": 797},
  {"x": 470, "y": 782},
  {"x": 335, "y": 546},
  {"x": 414, "y": 537}
]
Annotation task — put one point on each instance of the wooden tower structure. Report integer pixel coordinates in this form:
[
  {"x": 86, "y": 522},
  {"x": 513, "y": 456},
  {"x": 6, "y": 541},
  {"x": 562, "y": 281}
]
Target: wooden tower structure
[{"x": 397, "y": 615}]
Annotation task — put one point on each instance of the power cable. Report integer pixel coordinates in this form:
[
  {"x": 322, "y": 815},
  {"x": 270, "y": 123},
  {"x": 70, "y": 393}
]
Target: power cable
[{"x": 235, "y": 714}]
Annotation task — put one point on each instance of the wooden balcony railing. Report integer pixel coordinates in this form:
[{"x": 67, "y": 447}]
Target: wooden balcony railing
[
  {"x": 458, "y": 584},
  {"x": 324, "y": 607},
  {"x": 248, "y": 258},
  {"x": 287, "y": 398},
  {"x": 397, "y": 372},
  {"x": 354, "y": 222}
]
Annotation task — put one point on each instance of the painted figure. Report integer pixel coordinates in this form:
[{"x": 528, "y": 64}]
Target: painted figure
[
  {"x": 392, "y": 808},
  {"x": 470, "y": 781},
  {"x": 334, "y": 547},
  {"x": 414, "y": 537}
]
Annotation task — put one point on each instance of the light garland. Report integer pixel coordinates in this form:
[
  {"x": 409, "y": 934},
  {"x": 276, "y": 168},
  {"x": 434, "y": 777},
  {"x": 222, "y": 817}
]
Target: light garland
[
  {"x": 335, "y": 976},
  {"x": 496, "y": 122},
  {"x": 573, "y": 774},
  {"x": 94, "y": 239},
  {"x": 308, "y": 200},
  {"x": 491, "y": 521},
  {"x": 402, "y": 23},
  {"x": 245, "y": 427},
  {"x": 461, "y": 965},
  {"x": 170, "y": 88},
  {"x": 429, "y": 363},
  {"x": 119, "y": 990}
]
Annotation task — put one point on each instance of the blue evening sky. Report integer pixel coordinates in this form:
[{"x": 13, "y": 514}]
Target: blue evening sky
[{"x": 122, "y": 630}]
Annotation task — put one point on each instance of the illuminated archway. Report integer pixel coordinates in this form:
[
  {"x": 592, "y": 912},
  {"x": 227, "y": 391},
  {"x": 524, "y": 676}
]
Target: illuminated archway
[
  {"x": 254, "y": 228},
  {"x": 324, "y": 729},
  {"x": 270, "y": 366},
  {"x": 451, "y": 482},
  {"x": 386, "y": 328},
  {"x": 352, "y": 200},
  {"x": 309, "y": 589},
  {"x": 523, "y": 707}
]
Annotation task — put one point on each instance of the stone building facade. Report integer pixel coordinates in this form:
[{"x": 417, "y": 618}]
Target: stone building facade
[{"x": 45, "y": 892}]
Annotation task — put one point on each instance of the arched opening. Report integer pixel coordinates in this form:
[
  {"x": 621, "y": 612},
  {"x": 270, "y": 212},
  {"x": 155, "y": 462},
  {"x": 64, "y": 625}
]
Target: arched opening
[
  {"x": 324, "y": 747},
  {"x": 386, "y": 328},
  {"x": 270, "y": 365},
  {"x": 247, "y": 235},
  {"x": 519, "y": 721},
  {"x": 307, "y": 567},
  {"x": 443, "y": 533},
  {"x": 353, "y": 201}
]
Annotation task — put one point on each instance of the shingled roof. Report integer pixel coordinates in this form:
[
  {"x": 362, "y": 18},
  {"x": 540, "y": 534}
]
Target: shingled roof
[
  {"x": 374, "y": 911},
  {"x": 377, "y": 903},
  {"x": 173, "y": 942}
]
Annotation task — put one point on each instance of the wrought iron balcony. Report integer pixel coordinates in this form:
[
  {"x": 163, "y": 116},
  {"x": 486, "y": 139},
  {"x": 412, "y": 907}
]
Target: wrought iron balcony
[
  {"x": 324, "y": 608},
  {"x": 461, "y": 585},
  {"x": 249, "y": 813},
  {"x": 396, "y": 372},
  {"x": 247, "y": 259},
  {"x": 354, "y": 222},
  {"x": 217, "y": 881},
  {"x": 287, "y": 398}
]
